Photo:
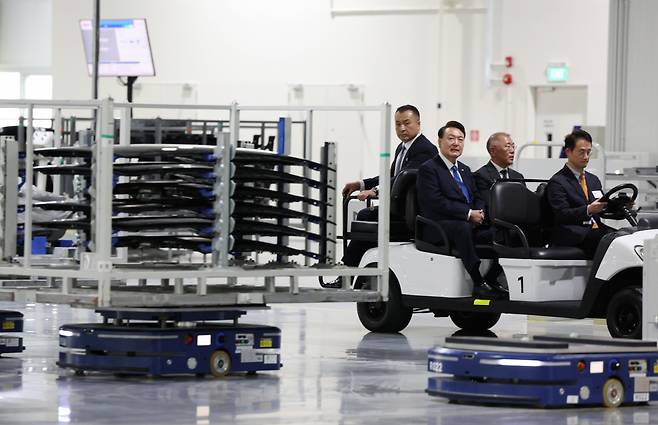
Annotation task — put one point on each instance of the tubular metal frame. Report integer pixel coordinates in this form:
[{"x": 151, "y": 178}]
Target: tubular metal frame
[
  {"x": 595, "y": 145},
  {"x": 98, "y": 265}
]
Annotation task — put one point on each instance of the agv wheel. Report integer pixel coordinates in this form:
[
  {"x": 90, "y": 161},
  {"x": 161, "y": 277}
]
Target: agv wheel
[
  {"x": 613, "y": 393},
  {"x": 220, "y": 364}
]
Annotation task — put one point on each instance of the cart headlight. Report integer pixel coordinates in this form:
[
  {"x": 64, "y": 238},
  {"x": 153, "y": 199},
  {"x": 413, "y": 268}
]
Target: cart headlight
[{"x": 639, "y": 250}]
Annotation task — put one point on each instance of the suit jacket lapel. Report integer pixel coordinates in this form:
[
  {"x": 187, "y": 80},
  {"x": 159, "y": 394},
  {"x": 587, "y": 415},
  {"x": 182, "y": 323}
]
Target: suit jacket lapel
[
  {"x": 411, "y": 149},
  {"x": 395, "y": 158},
  {"x": 453, "y": 182},
  {"x": 575, "y": 182},
  {"x": 590, "y": 183},
  {"x": 465, "y": 179},
  {"x": 493, "y": 172}
]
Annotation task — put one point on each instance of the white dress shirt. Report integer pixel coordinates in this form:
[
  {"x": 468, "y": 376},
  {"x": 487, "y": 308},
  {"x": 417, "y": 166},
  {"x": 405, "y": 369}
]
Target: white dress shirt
[
  {"x": 407, "y": 145},
  {"x": 450, "y": 164}
]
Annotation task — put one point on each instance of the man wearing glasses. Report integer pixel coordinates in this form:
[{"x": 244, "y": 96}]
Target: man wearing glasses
[
  {"x": 501, "y": 149},
  {"x": 573, "y": 195}
]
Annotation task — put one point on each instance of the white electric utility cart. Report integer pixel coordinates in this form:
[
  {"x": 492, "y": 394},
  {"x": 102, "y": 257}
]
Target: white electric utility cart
[{"x": 427, "y": 275}]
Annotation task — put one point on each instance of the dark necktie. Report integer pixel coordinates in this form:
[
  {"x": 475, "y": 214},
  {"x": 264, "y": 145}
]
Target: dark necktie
[
  {"x": 398, "y": 161},
  {"x": 503, "y": 173},
  {"x": 461, "y": 183}
]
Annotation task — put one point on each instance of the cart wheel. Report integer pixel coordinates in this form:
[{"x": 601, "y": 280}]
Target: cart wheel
[
  {"x": 220, "y": 364},
  {"x": 613, "y": 393},
  {"x": 390, "y": 316},
  {"x": 474, "y": 321},
  {"x": 624, "y": 314}
]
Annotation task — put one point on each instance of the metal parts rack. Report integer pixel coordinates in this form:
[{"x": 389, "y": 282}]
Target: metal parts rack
[{"x": 102, "y": 278}]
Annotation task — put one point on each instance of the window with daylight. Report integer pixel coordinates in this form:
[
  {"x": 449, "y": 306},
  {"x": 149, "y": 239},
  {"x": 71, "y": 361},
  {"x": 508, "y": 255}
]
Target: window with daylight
[{"x": 17, "y": 85}]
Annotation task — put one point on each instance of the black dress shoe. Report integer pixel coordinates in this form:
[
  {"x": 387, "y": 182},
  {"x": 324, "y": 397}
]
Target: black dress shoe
[
  {"x": 484, "y": 290},
  {"x": 498, "y": 287},
  {"x": 334, "y": 284}
]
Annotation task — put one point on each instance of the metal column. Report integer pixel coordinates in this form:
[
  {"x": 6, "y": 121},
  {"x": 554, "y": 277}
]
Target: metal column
[
  {"x": 9, "y": 190},
  {"x": 650, "y": 290},
  {"x": 308, "y": 154},
  {"x": 384, "y": 199},
  {"x": 101, "y": 204},
  {"x": 226, "y": 143},
  {"x": 284, "y": 187},
  {"x": 57, "y": 142},
  {"x": 29, "y": 180},
  {"x": 96, "y": 58}
]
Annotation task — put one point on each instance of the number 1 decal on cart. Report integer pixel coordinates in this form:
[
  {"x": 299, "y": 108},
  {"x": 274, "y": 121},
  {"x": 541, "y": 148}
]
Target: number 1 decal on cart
[{"x": 520, "y": 279}]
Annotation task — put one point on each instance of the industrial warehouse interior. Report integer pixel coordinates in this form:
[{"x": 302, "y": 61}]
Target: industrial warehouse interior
[{"x": 328, "y": 212}]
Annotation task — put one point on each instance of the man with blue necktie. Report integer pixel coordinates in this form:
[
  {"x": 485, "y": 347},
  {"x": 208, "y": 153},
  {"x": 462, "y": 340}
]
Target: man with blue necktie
[{"x": 447, "y": 194}]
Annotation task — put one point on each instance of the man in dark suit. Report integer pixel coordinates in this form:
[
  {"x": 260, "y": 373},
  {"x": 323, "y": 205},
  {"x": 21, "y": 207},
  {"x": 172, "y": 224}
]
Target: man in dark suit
[
  {"x": 448, "y": 195},
  {"x": 413, "y": 150},
  {"x": 501, "y": 150},
  {"x": 573, "y": 195}
]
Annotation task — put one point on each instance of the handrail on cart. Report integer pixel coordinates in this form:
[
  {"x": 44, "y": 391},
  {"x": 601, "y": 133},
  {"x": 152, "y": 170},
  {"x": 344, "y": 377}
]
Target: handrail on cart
[
  {"x": 346, "y": 202},
  {"x": 599, "y": 149}
]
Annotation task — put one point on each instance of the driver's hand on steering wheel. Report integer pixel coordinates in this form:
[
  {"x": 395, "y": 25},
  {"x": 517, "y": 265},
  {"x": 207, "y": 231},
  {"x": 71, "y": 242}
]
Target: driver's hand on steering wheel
[{"x": 596, "y": 207}]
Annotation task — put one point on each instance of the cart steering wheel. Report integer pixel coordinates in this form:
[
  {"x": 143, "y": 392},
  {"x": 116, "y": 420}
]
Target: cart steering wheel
[{"x": 621, "y": 206}]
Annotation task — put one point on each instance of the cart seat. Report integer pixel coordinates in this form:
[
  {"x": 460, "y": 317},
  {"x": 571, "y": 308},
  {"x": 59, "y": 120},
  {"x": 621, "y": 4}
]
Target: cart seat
[
  {"x": 367, "y": 231},
  {"x": 483, "y": 251},
  {"x": 403, "y": 212},
  {"x": 522, "y": 220},
  {"x": 437, "y": 241}
]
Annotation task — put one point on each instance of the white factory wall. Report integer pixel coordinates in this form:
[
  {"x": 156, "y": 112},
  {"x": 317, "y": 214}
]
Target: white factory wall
[
  {"x": 255, "y": 51},
  {"x": 641, "y": 127},
  {"x": 25, "y": 34}
]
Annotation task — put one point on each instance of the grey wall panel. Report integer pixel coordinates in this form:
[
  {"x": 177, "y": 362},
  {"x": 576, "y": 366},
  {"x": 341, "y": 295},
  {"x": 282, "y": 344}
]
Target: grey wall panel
[
  {"x": 26, "y": 33},
  {"x": 641, "y": 100}
]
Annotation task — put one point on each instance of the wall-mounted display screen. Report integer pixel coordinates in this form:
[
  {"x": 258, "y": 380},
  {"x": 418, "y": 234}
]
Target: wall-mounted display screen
[{"x": 124, "y": 48}]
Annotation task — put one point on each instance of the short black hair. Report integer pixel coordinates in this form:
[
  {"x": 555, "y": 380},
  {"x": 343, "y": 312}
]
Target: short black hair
[
  {"x": 571, "y": 139},
  {"x": 412, "y": 108},
  {"x": 454, "y": 124}
]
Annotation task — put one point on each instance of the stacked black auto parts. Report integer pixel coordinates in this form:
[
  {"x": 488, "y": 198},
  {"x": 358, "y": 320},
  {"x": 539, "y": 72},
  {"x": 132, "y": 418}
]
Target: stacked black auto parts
[{"x": 163, "y": 198}]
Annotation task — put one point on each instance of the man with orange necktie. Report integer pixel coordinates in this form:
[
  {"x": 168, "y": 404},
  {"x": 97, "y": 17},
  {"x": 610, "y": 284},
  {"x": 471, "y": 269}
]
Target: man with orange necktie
[{"x": 573, "y": 195}]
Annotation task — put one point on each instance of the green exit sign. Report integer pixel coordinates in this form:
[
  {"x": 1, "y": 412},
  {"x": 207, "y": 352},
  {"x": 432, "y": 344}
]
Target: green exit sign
[{"x": 557, "y": 73}]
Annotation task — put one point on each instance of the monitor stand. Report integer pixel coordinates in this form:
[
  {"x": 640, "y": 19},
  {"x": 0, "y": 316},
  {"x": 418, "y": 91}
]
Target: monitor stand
[{"x": 129, "y": 84}]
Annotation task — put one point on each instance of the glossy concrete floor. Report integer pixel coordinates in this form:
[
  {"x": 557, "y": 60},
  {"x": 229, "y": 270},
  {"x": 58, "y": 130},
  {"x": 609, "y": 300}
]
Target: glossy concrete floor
[{"x": 334, "y": 372}]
